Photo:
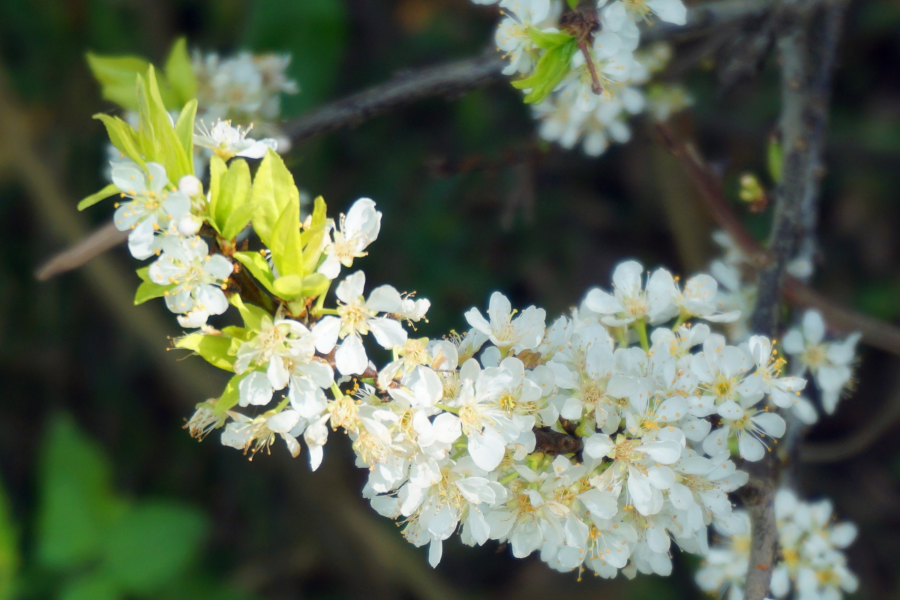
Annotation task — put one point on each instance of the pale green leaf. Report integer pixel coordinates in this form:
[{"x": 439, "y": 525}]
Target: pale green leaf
[
  {"x": 107, "y": 192},
  {"x": 172, "y": 153},
  {"x": 217, "y": 169},
  {"x": 551, "y": 69},
  {"x": 231, "y": 395},
  {"x": 314, "y": 285},
  {"x": 312, "y": 239},
  {"x": 289, "y": 287},
  {"x": 258, "y": 267},
  {"x": 213, "y": 348},
  {"x": 774, "y": 158},
  {"x": 285, "y": 243},
  {"x": 180, "y": 73},
  {"x": 253, "y": 316},
  {"x": 184, "y": 129},
  {"x": 116, "y": 75},
  {"x": 122, "y": 136},
  {"x": 149, "y": 290},
  {"x": 237, "y": 220},
  {"x": 273, "y": 188},
  {"x": 547, "y": 40},
  {"x": 233, "y": 192},
  {"x": 153, "y": 545}
]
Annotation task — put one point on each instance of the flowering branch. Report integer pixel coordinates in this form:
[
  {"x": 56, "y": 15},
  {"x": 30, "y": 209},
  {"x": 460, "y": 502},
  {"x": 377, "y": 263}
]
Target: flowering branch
[{"x": 450, "y": 80}]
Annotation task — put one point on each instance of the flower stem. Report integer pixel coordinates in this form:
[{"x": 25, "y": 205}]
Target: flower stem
[
  {"x": 446, "y": 408},
  {"x": 641, "y": 327}
]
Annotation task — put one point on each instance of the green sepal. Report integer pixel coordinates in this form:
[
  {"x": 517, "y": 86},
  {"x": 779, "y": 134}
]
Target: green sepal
[
  {"x": 123, "y": 137},
  {"x": 285, "y": 243},
  {"x": 230, "y": 396},
  {"x": 213, "y": 348},
  {"x": 573, "y": 4},
  {"x": 551, "y": 69},
  {"x": 180, "y": 73},
  {"x": 253, "y": 316},
  {"x": 311, "y": 239},
  {"x": 273, "y": 188},
  {"x": 233, "y": 194},
  {"x": 107, "y": 192},
  {"x": 258, "y": 267}
]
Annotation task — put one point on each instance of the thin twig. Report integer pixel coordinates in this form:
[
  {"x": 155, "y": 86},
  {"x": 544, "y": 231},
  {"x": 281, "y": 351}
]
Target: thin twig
[
  {"x": 107, "y": 280},
  {"x": 876, "y": 333},
  {"x": 97, "y": 242}
]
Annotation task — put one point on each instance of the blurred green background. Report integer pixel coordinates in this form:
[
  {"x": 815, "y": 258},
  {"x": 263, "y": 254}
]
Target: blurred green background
[{"x": 105, "y": 496}]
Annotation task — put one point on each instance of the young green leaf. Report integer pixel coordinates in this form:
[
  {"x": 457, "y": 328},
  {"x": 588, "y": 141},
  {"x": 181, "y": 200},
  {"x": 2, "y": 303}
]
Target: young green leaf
[
  {"x": 149, "y": 290},
  {"x": 180, "y": 73},
  {"x": 774, "y": 157},
  {"x": 217, "y": 169},
  {"x": 573, "y": 4},
  {"x": 172, "y": 152},
  {"x": 231, "y": 395},
  {"x": 285, "y": 243},
  {"x": 312, "y": 239},
  {"x": 314, "y": 285},
  {"x": 122, "y": 136},
  {"x": 289, "y": 287},
  {"x": 547, "y": 40},
  {"x": 252, "y": 315},
  {"x": 184, "y": 129},
  {"x": 273, "y": 188},
  {"x": 116, "y": 75},
  {"x": 108, "y": 191},
  {"x": 213, "y": 348},
  {"x": 550, "y": 71},
  {"x": 258, "y": 267},
  {"x": 237, "y": 220},
  {"x": 233, "y": 193}
]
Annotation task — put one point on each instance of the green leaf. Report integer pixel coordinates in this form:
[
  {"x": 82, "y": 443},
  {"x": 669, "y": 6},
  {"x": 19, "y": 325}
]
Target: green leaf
[
  {"x": 180, "y": 73},
  {"x": 285, "y": 243},
  {"x": 144, "y": 274},
  {"x": 253, "y": 316},
  {"x": 77, "y": 503},
  {"x": 311, "y": 240},
  {"x": 213, "y": 348},
  {"x": 184, "y": 129},
  {"x": 231, "y": 395},
  {"x": 146, "y": 136},
  {"x": 273, "y": 189},
  {"x": 237, "y": 220},
  {"x": 122, "y": 136},
  {"x": 573, "y": 4},
  {"x": 9, "y": 549},
  {"x": 149, "y": 290},
  {"x": 774, "y": 156},
  {"x": 551, "y": 69},
  {"x": 152, "y": 545},
  {"x": 116, "y": 75},
  {"x": 315, "y": 284},
  {"x": 92, "y": 586},
  {"x": 171, "y": 151},
  {"x": 289, "y": 287},
  {"x": 108, "y": 191},
  {"x": 548, "y": 40},
  {"x": 258, "y": 267},
  {"x": 217, "y": 169},
  {"x": 233, "y": 193}
]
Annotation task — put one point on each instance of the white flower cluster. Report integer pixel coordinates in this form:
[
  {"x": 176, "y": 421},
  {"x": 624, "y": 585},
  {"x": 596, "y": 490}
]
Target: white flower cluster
[
  {"x": 830, "y": 363},
  {"x": 812, "y": 561},
  {"x": 598, "y": 87},
  {"x": 245, "y": 89},
  {"x": 589, "y": 441}
]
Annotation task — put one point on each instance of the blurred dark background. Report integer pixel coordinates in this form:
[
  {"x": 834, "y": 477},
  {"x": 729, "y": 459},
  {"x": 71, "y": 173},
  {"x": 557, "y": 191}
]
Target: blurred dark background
[{"x": 91, "y": 405}]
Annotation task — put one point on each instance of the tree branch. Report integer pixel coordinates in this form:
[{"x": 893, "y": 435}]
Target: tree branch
[{"x": 451, "y": 79}]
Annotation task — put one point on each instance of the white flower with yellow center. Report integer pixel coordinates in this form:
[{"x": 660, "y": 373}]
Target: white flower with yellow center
[
  {"x": 151, "y": 208},
  {"x": 356, "y": 230},
  {"x": 228, "y": 141},
  {"x": 784, "y": 391},
  {"x": 630, "y": 301},
  {"x": 523, "y": 332},
  {"x": 513, "y": 34},
  {"x": 356, "y": 318}
]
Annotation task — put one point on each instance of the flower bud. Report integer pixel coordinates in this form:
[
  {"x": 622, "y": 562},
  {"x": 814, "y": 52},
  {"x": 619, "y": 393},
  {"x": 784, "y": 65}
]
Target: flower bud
[
  {"x": 190, "y": 186},
  {"x": 188, "y": 225}
]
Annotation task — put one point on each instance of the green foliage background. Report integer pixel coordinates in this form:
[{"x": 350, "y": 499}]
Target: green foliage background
[{"x": 104, "y": 496}]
